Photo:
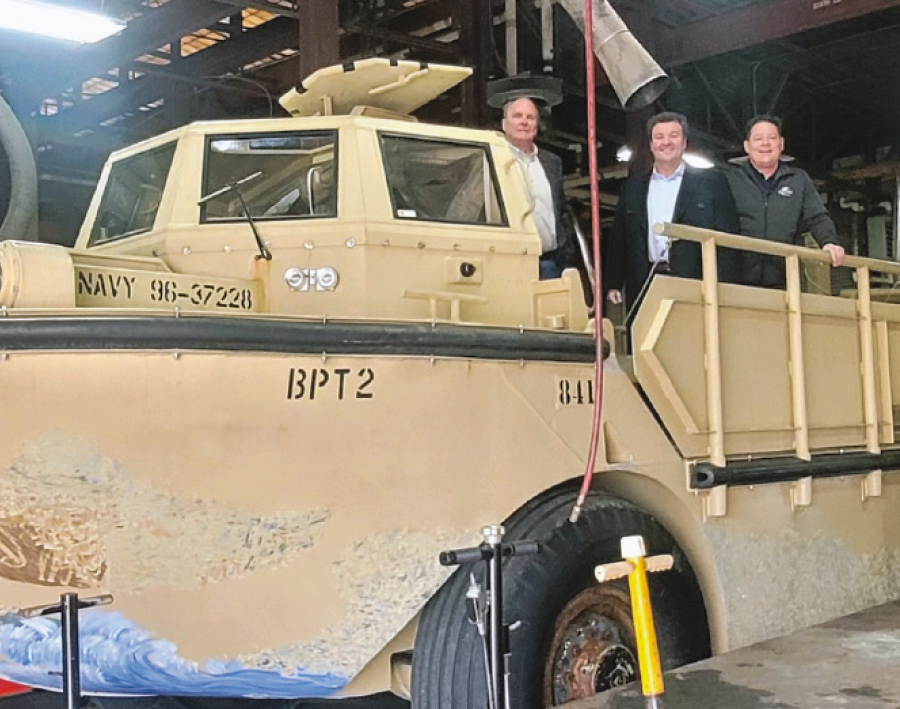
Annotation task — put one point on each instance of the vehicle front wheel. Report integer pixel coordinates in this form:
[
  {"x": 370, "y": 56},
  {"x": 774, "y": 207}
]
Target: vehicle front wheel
[{"x": 572, "y": 637}]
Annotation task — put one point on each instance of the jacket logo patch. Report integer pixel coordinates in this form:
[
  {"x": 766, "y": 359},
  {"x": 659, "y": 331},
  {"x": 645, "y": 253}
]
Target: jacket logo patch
[{"x": 786, "y": 191}]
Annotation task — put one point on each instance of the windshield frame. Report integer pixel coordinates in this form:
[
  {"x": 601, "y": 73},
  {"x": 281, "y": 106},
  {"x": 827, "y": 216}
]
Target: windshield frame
[
  {"x": 250, "y": 190},
  {"x": 150, "y": 196},
  {"x": 483, "y": 147}
]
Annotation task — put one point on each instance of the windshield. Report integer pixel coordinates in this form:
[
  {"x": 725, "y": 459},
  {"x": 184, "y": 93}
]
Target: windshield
[
  {"x": 293, "y": 176},
  {"x": 131, "y": 199},
  {"x": 441, "y": 181}
]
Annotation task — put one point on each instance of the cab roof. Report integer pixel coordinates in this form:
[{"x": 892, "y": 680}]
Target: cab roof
[{"x": 387, "y": 84}]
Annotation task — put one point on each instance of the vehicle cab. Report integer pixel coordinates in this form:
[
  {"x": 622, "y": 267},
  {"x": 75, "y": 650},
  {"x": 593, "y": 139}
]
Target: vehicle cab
[{"x": 349, "y": 208}]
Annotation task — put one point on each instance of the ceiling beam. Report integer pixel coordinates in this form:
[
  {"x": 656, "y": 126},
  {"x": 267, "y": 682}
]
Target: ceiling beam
[
  {"x": 217, "y": 60},
  {"x": 755, "y": 24},
  {"x": 263, "y": 5},
  {"x": 142, "y": 36},
  {"x": 402, "y": 38}
]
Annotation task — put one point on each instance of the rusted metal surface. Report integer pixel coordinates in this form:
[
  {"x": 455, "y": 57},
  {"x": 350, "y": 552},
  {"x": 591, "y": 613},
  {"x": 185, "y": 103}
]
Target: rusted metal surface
[{"x": 593, "y": 646}]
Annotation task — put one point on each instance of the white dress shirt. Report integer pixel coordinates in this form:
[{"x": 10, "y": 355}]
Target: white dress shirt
[
  {"x": 544, "y": 214},
  {"x": 661, "y": 198}
]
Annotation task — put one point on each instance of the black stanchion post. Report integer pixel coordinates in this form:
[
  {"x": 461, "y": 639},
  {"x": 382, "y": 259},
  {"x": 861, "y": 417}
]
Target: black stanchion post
[
  {"x": 71, "y": 651},
  {"x": 496, "y": 646},
  {"x": 68, "y": 608},
  {"x": 493, "y": 537}
]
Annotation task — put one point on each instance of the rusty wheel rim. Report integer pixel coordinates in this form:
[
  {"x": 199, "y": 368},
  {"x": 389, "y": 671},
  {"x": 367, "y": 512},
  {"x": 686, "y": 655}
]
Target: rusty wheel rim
[{"x": 593, "y": 646}]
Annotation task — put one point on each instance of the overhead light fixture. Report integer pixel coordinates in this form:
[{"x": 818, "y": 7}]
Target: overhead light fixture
[
  {"x": 57, "y": 21},
  {"x": 624, "y": 154},
  {"x": 695, "y": 160}
]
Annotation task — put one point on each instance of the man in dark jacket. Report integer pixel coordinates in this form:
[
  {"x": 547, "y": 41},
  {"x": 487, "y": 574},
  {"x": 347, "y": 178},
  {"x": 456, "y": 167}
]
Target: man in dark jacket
[
  {"x": 777, "y": 202},
  {"x": 543, "y": 171},
  {"x": 672, "y": 192}
]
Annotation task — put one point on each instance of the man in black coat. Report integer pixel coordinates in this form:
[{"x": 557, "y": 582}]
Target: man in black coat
[
  {"x": 543, "y": 171},
  {"x": 671, "y": 192},
  {"x": 776, "y": 202}
]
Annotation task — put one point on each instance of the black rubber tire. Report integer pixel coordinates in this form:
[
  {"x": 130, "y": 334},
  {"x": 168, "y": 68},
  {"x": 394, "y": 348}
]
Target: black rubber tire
[
  {"x": 448, "y": 669},
  {"x": 20, "y": 220}
]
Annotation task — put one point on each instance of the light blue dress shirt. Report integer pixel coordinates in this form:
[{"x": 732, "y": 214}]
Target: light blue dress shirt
[{"x": 661, "y": 198}]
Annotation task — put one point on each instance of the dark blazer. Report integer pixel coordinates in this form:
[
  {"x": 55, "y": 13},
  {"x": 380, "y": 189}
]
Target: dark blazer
[
  {"x": 566, "y": 254},
  {"x": 704, "y": 200}
]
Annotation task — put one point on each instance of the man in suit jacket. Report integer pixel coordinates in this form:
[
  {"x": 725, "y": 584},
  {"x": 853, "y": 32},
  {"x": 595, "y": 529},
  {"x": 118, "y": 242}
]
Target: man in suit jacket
[
  {"x": 544, "y": 173},
  {"x": 671, "y": 192}
]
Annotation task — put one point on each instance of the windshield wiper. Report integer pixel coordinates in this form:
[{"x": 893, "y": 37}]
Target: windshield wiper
[{"x": 234, "y": 185}]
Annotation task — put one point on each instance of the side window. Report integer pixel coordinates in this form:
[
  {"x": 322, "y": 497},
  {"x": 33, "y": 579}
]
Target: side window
[
  {"x": 441, "y": 181},
  {"x": 131, "y": 199},
  {"x": 276, "y": 175}
]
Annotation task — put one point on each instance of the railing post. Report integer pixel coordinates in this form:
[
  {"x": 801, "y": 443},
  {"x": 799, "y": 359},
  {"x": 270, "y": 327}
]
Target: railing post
[
  {"x": 715, "y": 503},
  {"x": 796, "y": 366},
  {"x": 801, "y": 491},
  {"x": 867, "y": 359}
]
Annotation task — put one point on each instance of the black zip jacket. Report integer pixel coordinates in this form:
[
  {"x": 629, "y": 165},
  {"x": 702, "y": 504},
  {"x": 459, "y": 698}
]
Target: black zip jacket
[{"x": 792, "y": 208}]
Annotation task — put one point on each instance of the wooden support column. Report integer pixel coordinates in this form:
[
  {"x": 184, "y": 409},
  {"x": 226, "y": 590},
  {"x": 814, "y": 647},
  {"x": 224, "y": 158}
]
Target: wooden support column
[
  {"x": 474, "y": 19},
  {"x": 636, "y": 139},
  {"x": 180, "y": 93},
  {"x": 318, "y": 35},
  {"x": 510, "y": 20}
]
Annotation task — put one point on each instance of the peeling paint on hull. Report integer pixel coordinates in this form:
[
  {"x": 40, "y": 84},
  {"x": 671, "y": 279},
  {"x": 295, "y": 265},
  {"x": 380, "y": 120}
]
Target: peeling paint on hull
[{"x": 68, "y": 514}]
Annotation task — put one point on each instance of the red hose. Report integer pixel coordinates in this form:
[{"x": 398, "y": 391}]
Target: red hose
[{"x": 595, "y": 237}]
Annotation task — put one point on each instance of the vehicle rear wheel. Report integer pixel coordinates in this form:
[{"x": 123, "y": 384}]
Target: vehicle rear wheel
[{"x": 574, "y": 637}]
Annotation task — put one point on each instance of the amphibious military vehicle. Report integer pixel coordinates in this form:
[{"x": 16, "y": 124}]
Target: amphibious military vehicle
[{"x": 289, "y": 361}]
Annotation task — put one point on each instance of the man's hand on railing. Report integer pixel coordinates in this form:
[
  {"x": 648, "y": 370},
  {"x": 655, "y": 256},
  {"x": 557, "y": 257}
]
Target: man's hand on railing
[
  {"x": 614, "y": 297},
  {"x": 836, "y": 252}
]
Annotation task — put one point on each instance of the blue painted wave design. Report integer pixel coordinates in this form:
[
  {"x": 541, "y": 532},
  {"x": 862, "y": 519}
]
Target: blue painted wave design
[{"x": 119, "y": 657}]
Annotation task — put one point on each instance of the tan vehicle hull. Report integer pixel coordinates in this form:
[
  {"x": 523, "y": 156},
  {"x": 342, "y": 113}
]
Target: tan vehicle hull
[{"x": 285, "y": 510}]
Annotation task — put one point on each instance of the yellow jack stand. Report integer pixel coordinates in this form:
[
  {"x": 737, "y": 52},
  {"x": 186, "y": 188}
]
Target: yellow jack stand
[{"x": 635, "y": 567}]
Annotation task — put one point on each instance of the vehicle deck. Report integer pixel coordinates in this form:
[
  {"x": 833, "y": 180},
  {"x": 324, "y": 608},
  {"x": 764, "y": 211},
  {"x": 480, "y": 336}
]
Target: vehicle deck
[{"x": 851, "y": 661}]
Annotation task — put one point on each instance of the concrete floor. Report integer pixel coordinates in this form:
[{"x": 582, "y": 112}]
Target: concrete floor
[{"x": 849, "y": 662}]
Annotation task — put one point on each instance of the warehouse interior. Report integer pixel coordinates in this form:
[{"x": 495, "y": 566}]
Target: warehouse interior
[
  {"x": 827, "y": 68},
  {"x": 271, "y": 434}
]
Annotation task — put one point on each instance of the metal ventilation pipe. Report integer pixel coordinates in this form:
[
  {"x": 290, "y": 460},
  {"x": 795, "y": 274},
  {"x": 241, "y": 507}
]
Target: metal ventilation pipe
[
  {"x": 636, "y": 77},
  {"x": 20, "y": 222}
]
